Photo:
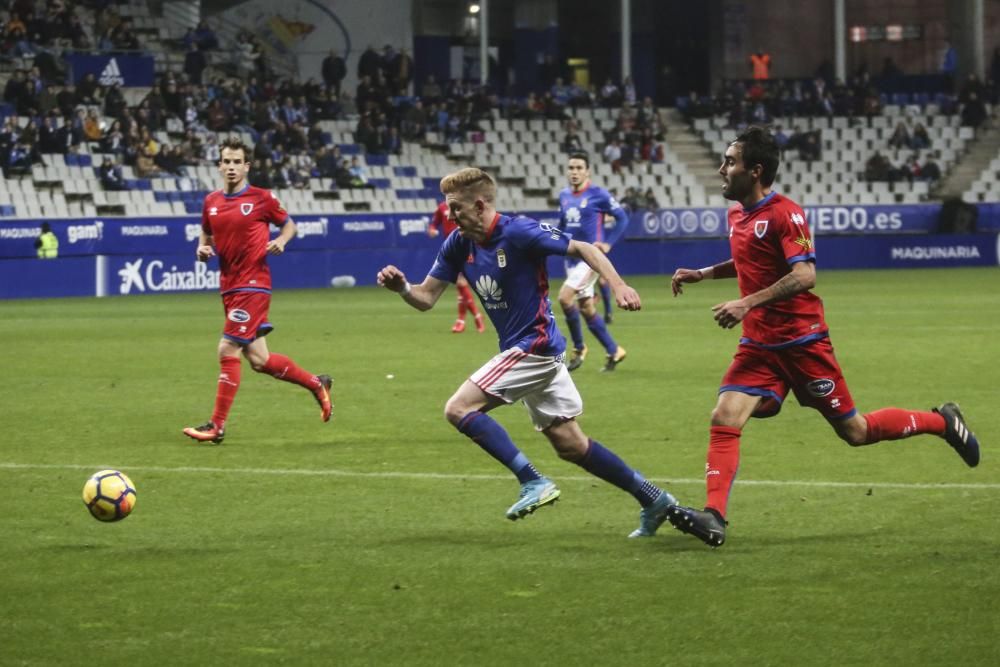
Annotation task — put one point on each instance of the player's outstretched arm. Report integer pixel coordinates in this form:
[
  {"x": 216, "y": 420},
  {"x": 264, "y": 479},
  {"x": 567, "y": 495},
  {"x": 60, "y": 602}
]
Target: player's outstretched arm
[
  {"x": 625, "y": 296},
  {"x": 726, "y": 269},
  {"x": 421, "y": 297}
]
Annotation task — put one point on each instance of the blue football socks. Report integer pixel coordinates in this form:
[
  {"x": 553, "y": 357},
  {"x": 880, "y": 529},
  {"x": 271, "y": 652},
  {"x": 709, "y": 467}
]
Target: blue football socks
[
  {"x": 602, "y": 462},
  {"x": 575, "y": 329},
  {"x": 606, "y": 298},
  {"x": 491, "y": 436},
  {"x": 600, "y": 330}
]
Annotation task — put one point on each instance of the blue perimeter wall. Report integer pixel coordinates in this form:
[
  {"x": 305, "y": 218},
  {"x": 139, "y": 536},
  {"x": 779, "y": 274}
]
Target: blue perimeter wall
[{"x": 117, "y": 256}]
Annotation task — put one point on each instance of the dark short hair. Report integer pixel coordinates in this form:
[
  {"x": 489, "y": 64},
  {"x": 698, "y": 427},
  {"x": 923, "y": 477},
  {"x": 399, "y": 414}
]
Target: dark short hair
[
  {"x": 580, "y": 156},
  {"x": 759, "y": 147},
  {"x": 234, "y": 143}
]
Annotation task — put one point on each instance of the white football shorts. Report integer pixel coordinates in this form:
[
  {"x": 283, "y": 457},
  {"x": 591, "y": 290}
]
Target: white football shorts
[
  {"x": 542, "y": 383},
  {"x": 581, "y": 279}
]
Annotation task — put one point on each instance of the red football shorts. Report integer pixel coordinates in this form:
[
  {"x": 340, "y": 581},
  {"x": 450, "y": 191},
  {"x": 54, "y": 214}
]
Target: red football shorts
[
  {"x": 246, "y": 315},
  {"x": 810, "y": 370}
]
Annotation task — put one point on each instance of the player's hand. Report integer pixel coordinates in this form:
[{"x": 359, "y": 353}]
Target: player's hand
[
  {"x": 432, "y": 232},
  {"x": 627, "y": 298},
  {"x": 602, "y": 246},
  {"x": 391, "y": 278},
  {"x": 730, "y": 313},
  {"x": 682, "y": 276},
  {"x": 276, "y": 246},
  {"x": 204, "y": 253}
]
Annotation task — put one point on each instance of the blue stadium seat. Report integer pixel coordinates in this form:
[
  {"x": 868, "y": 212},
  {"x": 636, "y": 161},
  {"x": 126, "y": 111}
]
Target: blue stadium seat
[
  {"x": 431, "y": 183},
  {"x": 404, "y": 171},
  {"x": 380, "y": 183},
  {"x": 84, "y": 160},
  {"x": 7, "y": 210},
  {"x": 375, "y": 160},
  {"x": 192, "y": 206},
  {"x": 349, "y": 149}
]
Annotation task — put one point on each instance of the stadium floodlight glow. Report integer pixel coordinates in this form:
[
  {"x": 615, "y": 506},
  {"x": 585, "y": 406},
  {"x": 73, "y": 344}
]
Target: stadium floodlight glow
[{"x": 474, "y": 8}]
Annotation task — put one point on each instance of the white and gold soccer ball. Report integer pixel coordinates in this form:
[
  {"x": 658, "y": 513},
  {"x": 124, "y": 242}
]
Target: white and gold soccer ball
[{"x": 109, "y": 495}]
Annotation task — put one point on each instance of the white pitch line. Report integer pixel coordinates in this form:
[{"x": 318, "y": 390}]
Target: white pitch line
[{"x": 333, "y": 472}]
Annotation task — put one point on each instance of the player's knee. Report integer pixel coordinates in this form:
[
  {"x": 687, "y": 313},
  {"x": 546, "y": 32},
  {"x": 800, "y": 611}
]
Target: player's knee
[
  {"x": 722, "y": 416},
  {"x": 854, "y": 436},
  {"x": 257, "y": 362},
  {"x": 454, "y": 410}
]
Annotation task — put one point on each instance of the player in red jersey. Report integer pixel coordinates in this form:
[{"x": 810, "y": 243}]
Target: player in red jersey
[
  {"x": 235, "y": 225},
  {"x": 442, "y": 224},
  {"x": 785, "y": 343}
]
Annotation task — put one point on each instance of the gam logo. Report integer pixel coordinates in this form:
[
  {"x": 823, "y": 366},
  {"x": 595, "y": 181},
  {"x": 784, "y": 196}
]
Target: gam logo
[{"x": 822, "y": 387}]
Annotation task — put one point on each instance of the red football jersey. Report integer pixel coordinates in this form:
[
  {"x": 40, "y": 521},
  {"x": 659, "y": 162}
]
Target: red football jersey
[
  {"x": 765, "y": 241},
  {"x": 239, "y": 224},
  {"x": 442, "y": 220}
]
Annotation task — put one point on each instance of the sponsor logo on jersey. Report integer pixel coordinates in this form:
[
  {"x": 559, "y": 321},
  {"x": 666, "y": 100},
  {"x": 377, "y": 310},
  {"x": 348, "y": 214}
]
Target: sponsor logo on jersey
[
  {"x": 760, "y": 228},
  {"x": 501, "y": 258},
  {"x": 111, "y": 75},
  {"x": 491, "y": 293},
  {"x": 806, "y": 244},
  {"x": 821, "y": 387},
  {"x": 246, "y": 207},
  {"x": 213, "y": 211},
  {"x": 238, "y": 315},
  {"x": 573, "y": 215}
]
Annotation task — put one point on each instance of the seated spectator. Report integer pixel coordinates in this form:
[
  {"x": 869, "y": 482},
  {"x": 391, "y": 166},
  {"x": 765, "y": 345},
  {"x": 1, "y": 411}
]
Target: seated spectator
[
  {"x": 920, "y": 138},
  {"x": 900, "y": 136},
  {"x": 930, "y": 171},
  {"x": 613, "y": 155},
  {"x": 392, "y": 143},
  {"x": 92, "y": 126},
  {"x": 877, "y": 168},
  {"x": 571, "y": 143},
  {"x": 610, "y": 96},
  {"x": 113, "y": 140},
  {"x": 810, "y": 146},
  {"x": 204, "y": 37},
  {"x": 110, "y": 175},
  {"x": 649, "y": 200},
  {"x": 359, "y": 174}
]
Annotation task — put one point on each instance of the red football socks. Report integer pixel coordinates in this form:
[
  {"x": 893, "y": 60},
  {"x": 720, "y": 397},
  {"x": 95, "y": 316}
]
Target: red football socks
[
  {"x": 895, "y": 423},
  {"x": 281, "y": 367},
  {"x": 720, "y": 470},
  {"x": 229, "y": 384}
]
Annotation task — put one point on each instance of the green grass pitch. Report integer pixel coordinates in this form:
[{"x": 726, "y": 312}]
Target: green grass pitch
[{"x": 380, "y": 538}]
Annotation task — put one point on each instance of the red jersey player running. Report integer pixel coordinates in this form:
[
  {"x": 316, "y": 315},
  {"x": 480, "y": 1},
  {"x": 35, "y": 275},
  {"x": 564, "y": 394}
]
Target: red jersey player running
[
  {"x": 235, "y": 224},
  {"x": 443, "y": 224},
  {"x": 785, "y": 343}
]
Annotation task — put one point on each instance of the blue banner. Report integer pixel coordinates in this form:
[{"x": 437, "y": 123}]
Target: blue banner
[
  {"x": 823, "y": 220},
  {"x": 139, "y": 273},
  {"x": 125, "y": 70}
]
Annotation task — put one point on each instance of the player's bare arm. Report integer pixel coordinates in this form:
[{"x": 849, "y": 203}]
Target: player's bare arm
[
  {"x": 421, "y": 297},
  {"x": 625, "y": 296},
  {"x": 801, "y": 279},
  {"x": 205, "y": 249},
  {"x": 276, "y": 246},
  {"x": 726, "y": 269}
]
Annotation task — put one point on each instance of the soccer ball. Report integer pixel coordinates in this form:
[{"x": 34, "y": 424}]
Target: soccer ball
[{"x": 109, "y": 495}]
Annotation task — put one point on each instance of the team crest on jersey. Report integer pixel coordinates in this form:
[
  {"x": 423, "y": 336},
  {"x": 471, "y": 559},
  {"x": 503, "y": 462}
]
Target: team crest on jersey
[
  {"x": 246, "y": 208},
  {"x": 760, "y": 228},
  {"x": 213, "y": 211},
  {"x": 806, "y": 244},
  {"x": 501, "y": 258},
  {"x": 583, "y": 203}
]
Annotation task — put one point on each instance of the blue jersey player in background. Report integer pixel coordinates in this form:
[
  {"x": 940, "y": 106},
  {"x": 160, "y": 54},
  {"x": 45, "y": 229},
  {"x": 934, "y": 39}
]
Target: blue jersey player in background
[
  {"x": 582, "y": 207},
  {"x": 504, "y": 259}
]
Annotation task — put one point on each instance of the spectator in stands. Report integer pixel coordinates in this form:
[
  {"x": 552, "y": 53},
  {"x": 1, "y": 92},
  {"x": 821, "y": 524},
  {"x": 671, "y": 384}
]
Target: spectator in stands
[
  {"x": 392, "y": 143},
  {"x": 110, "y": 175},
  {"x": 610, "y": 96},
  {"x": 649, "y": 200},
  {"x": 613, "y": 155},
  {"x": 920, "y": 139},
  {"x": 88, "y": 90},
  {"x": 368, "y": 63},
  {"x": 359, "y": 174},
  {"x": 949, "y": 65},
  {"x": 414, "y": 122},
  {"x": 343, "y": 177},
  {"x": 123, "y": 37},
  {"x": 113, "y": 140},
  {"x": 204, "y": 37},
  {"x": 877, "y": 168},
  {"x": 571, "y": 143},
  {"x": 92, "y": 126},
  {"x": 900, "y": 136},
  {"x": 210, "y": 150},
  {"x": 628, "y": 91},
  {"x": 195, "y": 63},
  {"x": 760, "y": 65},
  {"x": 431, "y": 92},
  {"x": 973, "y": 111},
  {"x": 930, "y": 171},
  {"x": 333, "y": 69},
  {"x": 18, "y": 162}
]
